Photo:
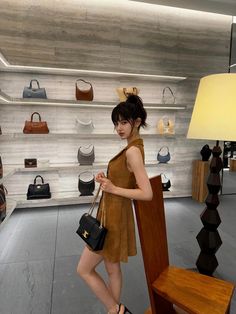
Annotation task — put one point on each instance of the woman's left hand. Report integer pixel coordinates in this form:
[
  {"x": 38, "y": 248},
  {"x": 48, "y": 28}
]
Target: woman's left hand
[{"x": 107, "y": 185}]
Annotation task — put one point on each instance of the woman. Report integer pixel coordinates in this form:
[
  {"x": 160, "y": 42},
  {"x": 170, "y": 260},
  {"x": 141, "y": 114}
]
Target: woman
[{"x": 126, "y": 180}]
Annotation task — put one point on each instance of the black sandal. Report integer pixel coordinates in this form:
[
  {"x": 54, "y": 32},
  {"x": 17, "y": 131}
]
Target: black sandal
[{"x": 125, "y": 309}]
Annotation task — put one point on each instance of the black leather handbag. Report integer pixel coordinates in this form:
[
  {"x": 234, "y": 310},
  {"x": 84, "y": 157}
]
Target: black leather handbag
[
  {"x": 166, "y": 184},
  {"x": 30, "y": 92},
  {"x": 38, "y": 191},
  {"x": 91, "y": 230},
  {"x": 163, "y": 158},
  {"x": 86, "y": 187},
  {"x": 86, "y": 155}
]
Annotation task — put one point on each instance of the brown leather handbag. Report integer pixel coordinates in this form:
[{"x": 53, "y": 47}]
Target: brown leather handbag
[
  {"x": 32, "y": 127},
  {"x": 83, "y": 94},
  {"x": 30, "y": 162}
]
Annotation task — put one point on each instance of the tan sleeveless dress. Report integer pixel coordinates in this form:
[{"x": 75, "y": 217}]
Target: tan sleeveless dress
[{"x": 120, "y": 241}]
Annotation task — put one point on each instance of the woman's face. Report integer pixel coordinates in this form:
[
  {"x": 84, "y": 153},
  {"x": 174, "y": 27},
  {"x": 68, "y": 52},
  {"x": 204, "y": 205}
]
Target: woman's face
[{"x": 124, "y": 128}]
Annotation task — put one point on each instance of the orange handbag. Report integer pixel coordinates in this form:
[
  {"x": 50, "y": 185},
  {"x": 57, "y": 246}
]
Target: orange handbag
[{"x": 35, "y": 127}]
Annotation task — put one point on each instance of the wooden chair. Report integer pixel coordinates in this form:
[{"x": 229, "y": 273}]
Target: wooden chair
[{"x": 169, "y": 285}]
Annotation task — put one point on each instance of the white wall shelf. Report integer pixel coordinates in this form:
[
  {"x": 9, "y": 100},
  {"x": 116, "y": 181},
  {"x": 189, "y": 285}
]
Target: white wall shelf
[
  {"x": 59, "y": 198},
  {"x": 7, "y": 136},
  {"x": 6, "y": 66},
  {"x": 5, "y": 99}
]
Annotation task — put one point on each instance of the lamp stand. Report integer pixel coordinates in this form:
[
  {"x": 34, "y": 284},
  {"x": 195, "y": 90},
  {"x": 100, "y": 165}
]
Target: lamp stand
[{"x": 208, "y": 238}]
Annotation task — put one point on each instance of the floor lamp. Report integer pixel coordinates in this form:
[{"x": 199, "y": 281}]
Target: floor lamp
[{"x": 213, "y": 118}]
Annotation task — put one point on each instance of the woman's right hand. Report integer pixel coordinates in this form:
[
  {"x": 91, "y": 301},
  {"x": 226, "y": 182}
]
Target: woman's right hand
[{"x": 99, "y": 176}]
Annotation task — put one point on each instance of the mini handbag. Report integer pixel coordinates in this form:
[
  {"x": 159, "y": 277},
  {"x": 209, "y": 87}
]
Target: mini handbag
[
  {"x": 163, "y": 158},
  {"x": 86, "y": 94},
  {"x": 165, "y": 126},
  {"x": 38, "y": 191},
  {"x": 3, "y": 203},
  {"x": 205, "y": 152},
  {"x": 30, "y": 92},
  {"x": 30, "y": 162},
  {"x": 86, "y": 187},
  {"x": 33, "y": 127},
  {"x": 165, "y": 99},
  {"x": 84, "y": 126},
  {"x": 91, "y": 230},
  {"x": 124, "y": 92},
  {"x": 166, "y": 184},
  {"x": 1, "y": 168},
  {"x": 86, "y": 155}
]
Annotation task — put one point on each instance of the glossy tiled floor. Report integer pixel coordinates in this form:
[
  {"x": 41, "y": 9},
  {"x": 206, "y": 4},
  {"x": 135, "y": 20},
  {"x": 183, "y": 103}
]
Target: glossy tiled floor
[{"x": 39, "y": 250}]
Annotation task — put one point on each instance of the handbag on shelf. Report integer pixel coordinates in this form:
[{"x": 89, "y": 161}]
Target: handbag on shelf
[
  {"x": 165, "y": 126},
  {"x": 91, "y": 230},
  {"x": 86, "y": 186},
  {"x": 86, "y": 126},
  {"x": 30, "y": 162},
  {"x": 1, "y": 168},
  {"x": 163, "y": 158},
  {"x": 83, "y": 94},
  {"x": 38, "y": 92},
  {"x": 3, "y": 203},
  {"x": 124, "y": 92},
  {"x": 35, "y": 127},
  {"x": 86, "y": 155},
  {"x": 166, "y": 184},
  {"x": 165, "y": 99},
  {"x": 38, "y": 191}
]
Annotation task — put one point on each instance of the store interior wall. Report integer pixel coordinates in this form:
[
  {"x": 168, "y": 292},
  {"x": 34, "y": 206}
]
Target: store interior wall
[{"x": 107, "y": 36}]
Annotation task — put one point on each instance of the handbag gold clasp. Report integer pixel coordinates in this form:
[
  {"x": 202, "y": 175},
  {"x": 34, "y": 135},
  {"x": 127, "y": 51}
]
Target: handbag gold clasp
[{"x": 85, "y": 234}]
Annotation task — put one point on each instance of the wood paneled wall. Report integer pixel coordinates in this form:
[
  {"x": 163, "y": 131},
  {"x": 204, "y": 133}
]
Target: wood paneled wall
[{"x": 108, "y": 36}]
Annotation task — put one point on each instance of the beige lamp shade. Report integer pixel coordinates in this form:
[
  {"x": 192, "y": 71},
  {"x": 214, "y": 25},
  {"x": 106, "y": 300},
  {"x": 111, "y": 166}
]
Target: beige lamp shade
[{"x": 214, "y": 112}]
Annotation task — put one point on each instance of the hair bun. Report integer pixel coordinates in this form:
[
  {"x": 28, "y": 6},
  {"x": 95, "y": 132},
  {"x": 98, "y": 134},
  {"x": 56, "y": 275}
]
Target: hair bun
[{"x": 135, "y": 100}]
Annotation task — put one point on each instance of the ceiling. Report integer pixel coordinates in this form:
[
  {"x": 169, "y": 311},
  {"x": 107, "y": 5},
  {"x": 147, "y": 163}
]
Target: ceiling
[{"x": 227, "y": 7}]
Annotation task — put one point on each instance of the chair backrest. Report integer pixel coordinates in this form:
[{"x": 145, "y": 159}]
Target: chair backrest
[{"x": 152, "y": 232}]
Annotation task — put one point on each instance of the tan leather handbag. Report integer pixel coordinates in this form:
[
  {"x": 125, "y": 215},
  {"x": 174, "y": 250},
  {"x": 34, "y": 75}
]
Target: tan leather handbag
[
  {"x": 124, "y": 92},
  {"x": 33, "y": 127},
  {"x": 83, "y": 94}
]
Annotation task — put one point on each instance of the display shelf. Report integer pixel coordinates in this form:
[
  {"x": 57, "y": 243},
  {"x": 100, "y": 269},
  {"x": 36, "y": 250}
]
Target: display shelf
[
  {"x": 5, "y": 99},
  {"x": 11, "y": 205},
  {"x": 7, "y": 136},
  {"x": 8, "y": 172},
  {"x": 57, "y": 199},
  {"x": 6, "y": 66}
]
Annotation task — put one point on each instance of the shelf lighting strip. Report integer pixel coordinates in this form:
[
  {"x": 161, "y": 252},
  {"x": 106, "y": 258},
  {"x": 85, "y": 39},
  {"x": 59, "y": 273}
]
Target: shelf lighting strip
[
  {"x": 23, "y": 68},
  {"x": 68, "y": 104}
]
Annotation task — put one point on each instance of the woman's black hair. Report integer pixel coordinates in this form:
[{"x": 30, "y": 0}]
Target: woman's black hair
[{"x": 130, "y": 110}]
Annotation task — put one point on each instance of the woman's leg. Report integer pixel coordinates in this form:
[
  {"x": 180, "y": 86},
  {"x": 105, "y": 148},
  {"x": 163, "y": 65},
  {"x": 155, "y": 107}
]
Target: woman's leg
[
  {"x": 115, "y": 279},
  {"x": 86, "y": 269}
]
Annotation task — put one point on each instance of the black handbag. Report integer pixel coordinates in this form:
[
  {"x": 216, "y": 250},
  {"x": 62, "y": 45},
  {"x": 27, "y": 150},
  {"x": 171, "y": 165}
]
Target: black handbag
[
  {"x": 86, "y": 187},
  {"x": 166, "y": 184},
  {"x": 30, "y": 162},
  {"x": 86, "y": 155},
  {"x": 163, "y": 158},
  {"x": 38, "y": 191},
  {"x": 91, "y": 230},
  {"x": 30, "y": 92}
]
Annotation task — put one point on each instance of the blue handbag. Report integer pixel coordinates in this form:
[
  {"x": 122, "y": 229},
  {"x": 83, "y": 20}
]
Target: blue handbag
[{"x": 163, "y": 158}]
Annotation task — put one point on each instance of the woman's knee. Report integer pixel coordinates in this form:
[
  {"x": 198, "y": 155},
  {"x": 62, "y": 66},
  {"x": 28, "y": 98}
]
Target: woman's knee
[{"x": 113, "y": 269}]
